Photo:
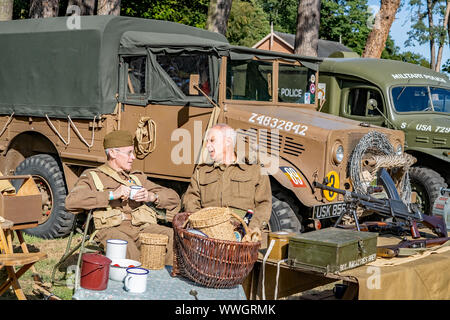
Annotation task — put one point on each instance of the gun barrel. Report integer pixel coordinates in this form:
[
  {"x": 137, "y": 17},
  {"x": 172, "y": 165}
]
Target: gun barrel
[{"x": 345, "y": 192}]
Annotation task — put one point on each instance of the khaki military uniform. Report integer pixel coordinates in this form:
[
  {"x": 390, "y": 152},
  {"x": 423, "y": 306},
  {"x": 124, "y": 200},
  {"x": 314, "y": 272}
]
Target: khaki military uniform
[
  {"x": 239, "y": 186},
  {"x": 116, "y": 219}
]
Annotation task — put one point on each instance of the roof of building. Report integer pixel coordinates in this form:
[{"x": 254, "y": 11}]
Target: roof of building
[{"x": 325, "y": 47}]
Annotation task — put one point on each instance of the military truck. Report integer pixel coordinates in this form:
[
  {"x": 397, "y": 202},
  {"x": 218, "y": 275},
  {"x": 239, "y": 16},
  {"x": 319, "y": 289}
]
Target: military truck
[
  {"x": 65, "y": 84},
  {"x": 401, "y": 96}
]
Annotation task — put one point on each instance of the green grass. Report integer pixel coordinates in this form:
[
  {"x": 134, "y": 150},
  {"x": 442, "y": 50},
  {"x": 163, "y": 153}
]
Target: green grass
[{"x": 54, "y": 248}]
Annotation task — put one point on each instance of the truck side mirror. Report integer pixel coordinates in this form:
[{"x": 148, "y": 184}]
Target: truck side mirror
[
  {"x": 194, "y": 80},
  {"x": 372, "y": 104}
]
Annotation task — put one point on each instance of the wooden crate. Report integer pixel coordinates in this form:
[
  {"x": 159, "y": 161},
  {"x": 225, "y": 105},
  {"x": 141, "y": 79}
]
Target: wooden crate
[{"x": 24, "y": 207}]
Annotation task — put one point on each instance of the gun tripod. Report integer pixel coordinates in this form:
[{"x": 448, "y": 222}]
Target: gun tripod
[{"x": 350, "y": 210}]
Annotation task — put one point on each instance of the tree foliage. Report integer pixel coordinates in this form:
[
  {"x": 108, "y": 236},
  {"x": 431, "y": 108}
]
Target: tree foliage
[
  {"x": 345, "y": 22},
  {"x": 430, "y": 25},
  {"x": 283, "y": 13},
  {"x": 392, "y": 52},
  {"x": 192, "y": 13},
  {"x": 248, "y": 23},
  {"x": 446, "y": 67}
]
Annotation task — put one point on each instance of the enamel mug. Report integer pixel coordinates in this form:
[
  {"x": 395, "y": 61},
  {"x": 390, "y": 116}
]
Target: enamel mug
[{"x": 136, "y": 280}]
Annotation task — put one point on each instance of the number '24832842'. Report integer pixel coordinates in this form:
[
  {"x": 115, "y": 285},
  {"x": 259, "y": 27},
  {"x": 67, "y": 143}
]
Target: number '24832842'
[{"x": 280, "y": 124}]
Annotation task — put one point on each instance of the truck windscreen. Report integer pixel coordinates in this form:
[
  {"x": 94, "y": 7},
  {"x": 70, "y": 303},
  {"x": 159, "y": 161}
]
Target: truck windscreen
[
  {"x": 421, "y": 99},
  {"x": 249, "y": 80}
]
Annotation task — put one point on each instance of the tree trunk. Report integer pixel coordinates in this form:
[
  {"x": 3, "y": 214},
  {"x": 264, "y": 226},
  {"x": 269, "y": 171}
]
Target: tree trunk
[
  {"x": 376, "y": 41},
  {"x": 44, "y": 8},
  {"x": 442, "y": 38},
  {"x": 108, "y": 7},
  {"x": 218, "y": 13},
  {"x": 448, "y": 22},
  {"x": 86, "y": 7},
  {"x": 308, "y": 22},
  {"x": 6, "y": 10},
  {"x": 430, "y": 6}
]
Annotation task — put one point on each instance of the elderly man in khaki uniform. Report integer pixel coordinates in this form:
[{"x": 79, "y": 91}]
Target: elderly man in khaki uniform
[
  {"x": 106, "y": 189},
  {"x": 228, "y": 182}
]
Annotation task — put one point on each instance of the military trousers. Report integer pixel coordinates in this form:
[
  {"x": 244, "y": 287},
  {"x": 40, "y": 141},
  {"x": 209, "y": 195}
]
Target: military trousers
[{"x": 126, "y": 231}]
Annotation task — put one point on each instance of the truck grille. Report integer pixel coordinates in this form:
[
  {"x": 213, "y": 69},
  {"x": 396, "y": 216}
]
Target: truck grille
[
  {"x": 440, "y": 141},
  {"x": 273, "y": 144},
  {"x": 293, "y": 148},
  {"x": 422, "y": 139}
]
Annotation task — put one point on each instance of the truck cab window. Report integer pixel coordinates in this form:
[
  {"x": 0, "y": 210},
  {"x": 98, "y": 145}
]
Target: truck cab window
[
  {"x": 249, "y": 80},
  {"x": 181, "y": 67},
  {"x": 136, "y": 80},
  {"x": 362, "y": 102},
  {"x": 296, "y": 84}
]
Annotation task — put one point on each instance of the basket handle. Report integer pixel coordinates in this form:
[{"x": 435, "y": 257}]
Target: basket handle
[
  {"x": 234, "y": 215},
  {"x": 185, "y": 223}
]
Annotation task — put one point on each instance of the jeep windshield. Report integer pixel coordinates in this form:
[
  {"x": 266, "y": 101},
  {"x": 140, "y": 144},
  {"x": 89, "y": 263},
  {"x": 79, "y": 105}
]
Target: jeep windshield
[
  {"x": 253, "y": 80},
  {"x": 421, "y": 99}
]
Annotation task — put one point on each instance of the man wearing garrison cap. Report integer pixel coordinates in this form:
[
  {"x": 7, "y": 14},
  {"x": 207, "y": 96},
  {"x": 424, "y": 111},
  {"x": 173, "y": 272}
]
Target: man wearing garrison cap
[{"x": 117, "y": 213}]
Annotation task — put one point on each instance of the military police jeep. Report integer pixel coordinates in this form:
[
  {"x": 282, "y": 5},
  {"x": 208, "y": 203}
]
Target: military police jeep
[
  {"x": 401, "y": 96},
  {"x": 65, "y": 84}
]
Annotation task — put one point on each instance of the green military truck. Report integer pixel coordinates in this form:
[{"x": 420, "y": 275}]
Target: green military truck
[
  {"x": 66, "y": 82},
  {"x": 400, "y": 96}
]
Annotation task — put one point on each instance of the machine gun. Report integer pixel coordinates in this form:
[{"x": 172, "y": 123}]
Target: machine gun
[{"x": 393, "y": 206}]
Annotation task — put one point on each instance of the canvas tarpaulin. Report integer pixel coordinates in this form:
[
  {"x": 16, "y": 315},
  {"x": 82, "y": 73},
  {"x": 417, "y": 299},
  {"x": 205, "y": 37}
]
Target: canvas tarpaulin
[
  {"x": 47, "y": 68},
  {"x": 423, "y": 276}
]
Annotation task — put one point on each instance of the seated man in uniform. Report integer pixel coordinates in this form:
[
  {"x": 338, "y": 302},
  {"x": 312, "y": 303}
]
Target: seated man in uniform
[
  {"x": 228, "y": 182},
  {"x": 106, "y": 190}
]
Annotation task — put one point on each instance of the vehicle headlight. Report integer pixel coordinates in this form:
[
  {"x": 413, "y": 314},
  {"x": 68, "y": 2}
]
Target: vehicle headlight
[
  {"x": 399, "y": 149},
  {"x": 338, "y": 153}
]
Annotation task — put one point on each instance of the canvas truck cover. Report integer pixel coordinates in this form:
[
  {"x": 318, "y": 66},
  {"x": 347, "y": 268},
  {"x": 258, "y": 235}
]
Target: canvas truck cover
[{"x": 51, "y": 67}]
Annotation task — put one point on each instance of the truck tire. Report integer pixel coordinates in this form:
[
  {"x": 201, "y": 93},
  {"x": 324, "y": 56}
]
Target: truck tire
[
  {"x": 283, "y": 217},
  {"x": 426, "y": 183},
  {"x": 49, "y": 178}
]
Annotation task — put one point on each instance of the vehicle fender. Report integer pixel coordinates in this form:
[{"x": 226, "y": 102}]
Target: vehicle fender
[
  {"x": 288, "y": 175},
  {"x": 441, "y": 154},
  {"x": 24, "y": 145}
]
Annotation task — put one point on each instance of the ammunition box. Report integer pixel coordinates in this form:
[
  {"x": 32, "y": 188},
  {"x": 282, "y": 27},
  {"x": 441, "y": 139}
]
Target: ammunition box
[{"x": 332, "y": 249}]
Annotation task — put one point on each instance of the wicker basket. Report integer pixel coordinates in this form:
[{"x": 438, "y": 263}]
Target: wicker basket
[
  {"x": 153, "y": 250},
  {"x": 211, "y": 262},
  {"x": 214, "y": 222}
]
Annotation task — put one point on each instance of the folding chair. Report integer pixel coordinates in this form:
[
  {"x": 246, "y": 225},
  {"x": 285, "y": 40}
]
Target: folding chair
[
  {"x": 88, "y": 237},
  {"x": 10, "y": 260}
]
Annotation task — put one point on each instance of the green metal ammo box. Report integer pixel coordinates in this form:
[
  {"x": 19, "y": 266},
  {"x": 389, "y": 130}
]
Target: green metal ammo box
[{"x": 332, "y": 249}]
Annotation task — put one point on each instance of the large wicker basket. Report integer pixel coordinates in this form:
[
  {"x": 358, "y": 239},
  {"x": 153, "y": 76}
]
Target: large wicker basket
[
  {"x": 153, "y": 250},
  {"x": 211, "y": 262}
]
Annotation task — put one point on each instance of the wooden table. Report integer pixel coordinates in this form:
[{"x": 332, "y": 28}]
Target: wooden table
[
  {"x": 9, "y": 259},
  {"x": 423, "y": 276},
  {"x": 162, "y": 286},
  {"x": 291, "y": 280}
]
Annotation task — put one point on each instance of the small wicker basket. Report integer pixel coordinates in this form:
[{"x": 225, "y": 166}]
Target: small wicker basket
[
  {"x": 214, "y": 222},
  {"x": 153, "y": 250}
]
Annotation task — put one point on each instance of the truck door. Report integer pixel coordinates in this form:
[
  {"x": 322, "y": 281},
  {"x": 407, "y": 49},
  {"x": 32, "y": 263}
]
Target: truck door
[
  {"x": 363, "y": 104},
  {"x": 159, "y": 102}
]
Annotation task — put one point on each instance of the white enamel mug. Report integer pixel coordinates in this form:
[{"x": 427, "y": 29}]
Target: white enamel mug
[
  {"x": 116, "y": 249},
  {"x": 136, "y": 280},
  {"x": 134, "y": 190}
]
